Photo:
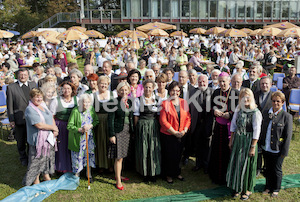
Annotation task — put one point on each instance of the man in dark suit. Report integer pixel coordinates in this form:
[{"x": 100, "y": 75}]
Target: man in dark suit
[
  {"x": 201, "y": 124},
  {"x": 17, "y": 101},
  {"x": 264, "y": 103},
  {"x": 187, "y": 91},
  {"x": 106, "y": 68},
  {"x": 236, "y": 82},
  {"x": 253, "y": 81}
]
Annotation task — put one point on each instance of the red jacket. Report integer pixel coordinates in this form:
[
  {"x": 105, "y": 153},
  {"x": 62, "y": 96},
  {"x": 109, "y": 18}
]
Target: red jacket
[{"x": 169, "y": 117}]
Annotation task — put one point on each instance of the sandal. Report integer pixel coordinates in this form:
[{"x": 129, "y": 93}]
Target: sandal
[
  {"x": 169, "y": 180},
  {"x": 235, "y": 194},
  {"x": 246, "y": 196},
  {"x": 274, "y": 194}
]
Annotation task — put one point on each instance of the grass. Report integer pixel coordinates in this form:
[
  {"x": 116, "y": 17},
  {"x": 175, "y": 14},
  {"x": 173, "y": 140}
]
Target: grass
[{"x": 103, "y": 189}]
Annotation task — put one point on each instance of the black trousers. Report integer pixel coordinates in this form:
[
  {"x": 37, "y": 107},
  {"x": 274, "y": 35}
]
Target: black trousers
[
  {"x": 171, "y": 151},
  {"x": 273, "y": 171},
  {"x": 203, "y": 152},
  {"x": 21, "y": 137}
]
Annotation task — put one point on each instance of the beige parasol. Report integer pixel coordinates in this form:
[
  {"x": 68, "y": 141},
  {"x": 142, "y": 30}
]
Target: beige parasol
[
  {"x": 158, "y": 32},
  {"x": 247, "y": 30},
  {"x": 282, "y": 25},
  {"x": 233, "y": 33},
  {"x": 29, "y": 35},
  {"x": 5, "y": 34},
  {"x": 178, "y": 33},
  {"x": 78, "y": 28},
  {"x": 71, "y": 35},
  {"x": 215, "y": 30},
  {"x": 271, "y": 31},
  {"x": 197, "y": 31},
  {"x": 48, "y": 33},
  {"x": 291, "y": 32},
  {"x": 135, "y": 42},
  {"x": 255, "y": 32},
  {"x": 94, "y": 34},
  {"x": 155, "y": 25}
]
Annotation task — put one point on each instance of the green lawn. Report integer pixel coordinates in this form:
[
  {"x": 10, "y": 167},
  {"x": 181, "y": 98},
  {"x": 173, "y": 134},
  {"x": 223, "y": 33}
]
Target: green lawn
[{"x": 103, "y": 188}]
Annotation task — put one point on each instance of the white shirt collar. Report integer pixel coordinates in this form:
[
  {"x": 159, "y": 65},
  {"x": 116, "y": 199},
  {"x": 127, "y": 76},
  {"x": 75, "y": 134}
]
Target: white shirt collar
[
  {"x": 21, "y": 84},
  {"x": 271, "y": 111}
]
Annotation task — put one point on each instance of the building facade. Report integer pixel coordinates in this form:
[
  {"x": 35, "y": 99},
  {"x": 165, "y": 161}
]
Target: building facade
[{"x": 216, "y": 12}]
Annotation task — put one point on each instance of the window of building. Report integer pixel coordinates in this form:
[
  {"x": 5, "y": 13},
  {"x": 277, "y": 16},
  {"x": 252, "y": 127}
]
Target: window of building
[
  {"x": 294, "y": 10},
  {"x": 241, "y": 9},
  {"x": 155, "y": 8},
  {"x": 203, "y": 12},
  {"x": 259, "y": 9},
  {"x": 165, "y": 8},
  {"x": 136, "y": 8},
  {"x": 175, "y": 8},
  {"x": 146, "y": 8},
  {"x": 276, "y": 9},
  {"x": 285, "y": 9},
  {"x": 126, "y": 8},
  {"x": 222, "y": 10},
  {"x": 231, "y": 9},
  {"x": 194, "y": 8},
  {"x": 250, "y": 9},
  {"x": 213, "y": 9},
  {"x": 268, "y": 9},
  {"x": 185, "y": 8}
]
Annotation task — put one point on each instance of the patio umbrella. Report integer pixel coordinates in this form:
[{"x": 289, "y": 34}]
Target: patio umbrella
[
  {"x": 124, "y": 33},
  {"x": 129, "y": 33},
  {"x": 158, "y": 32},
  {"x": 14, "y": 32},
  {"x": 255, "y": 32},
  {"x": 197, "y": 31},
  {"x": 78, "y": 28},
  {"x": 233, "y": 33},
  {"x": 94, "y": 34},
  {"x": 178, "y": 33},
  {"x": 155, "y": 25},
  {"x": 282, "y": 25},
  {"x": 214, "y": 30},
  {"x": 29, "y": 35},
  {"x": 5, "y": 34},
  {"x": 53, "y": 40},
  {"x": 247, "y": 30},
  {"x": 271, "y": 31},
  {"x": 135, "y": 42},
  {"x": 48, "y": 33},
  {"x": 71, "y": 35},
  {"x": 291, "y": 32}
]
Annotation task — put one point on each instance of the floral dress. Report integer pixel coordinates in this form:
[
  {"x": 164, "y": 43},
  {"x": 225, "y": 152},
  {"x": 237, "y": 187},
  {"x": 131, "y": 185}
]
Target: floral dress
[{"x": 79, "y": 159}]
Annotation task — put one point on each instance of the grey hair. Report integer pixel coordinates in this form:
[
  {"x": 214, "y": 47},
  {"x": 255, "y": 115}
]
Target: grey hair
[
  {"x": 57, "y": 70},
  {"x": 82, "y": 98},
  {"x": 151, "y": 71},
  {"x": 192, "y": 71},
  {"x": 203, "y": 75},
  {"x": 41, "y": 68},
  {"x": 216, "y": 70},
  {"x": 154, "y": 65},
  {"x": 241, "y": 62},
  {"x": 236, "y": 74},
  {"x": 77, "y": 72}
]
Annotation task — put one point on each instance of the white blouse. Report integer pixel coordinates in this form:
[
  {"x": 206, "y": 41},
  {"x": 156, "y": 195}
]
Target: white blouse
[
  {"x": 54, "y": 104},
  {"x": 256, "y": 123}
]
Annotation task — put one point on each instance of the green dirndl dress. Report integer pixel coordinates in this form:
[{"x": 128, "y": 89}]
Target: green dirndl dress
[
  {"x": 241, "y": 171},
  {"x": 147, "y": 142}
]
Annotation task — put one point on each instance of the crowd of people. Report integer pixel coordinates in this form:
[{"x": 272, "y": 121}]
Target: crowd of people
[{"x": 153, "y": 111}]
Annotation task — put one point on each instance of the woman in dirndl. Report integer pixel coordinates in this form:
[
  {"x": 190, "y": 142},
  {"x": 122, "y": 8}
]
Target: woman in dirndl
[
  {"x": 245, "y": 130},
  {"x": 81, "y": 123},
  {"x": 147, "y": 138},
  {"x": 40, "y": 125},
  {"x": 120, "y": 125}
]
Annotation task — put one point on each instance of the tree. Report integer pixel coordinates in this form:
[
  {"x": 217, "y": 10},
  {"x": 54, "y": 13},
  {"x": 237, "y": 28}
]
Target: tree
[{"x": 58, "y": 6}]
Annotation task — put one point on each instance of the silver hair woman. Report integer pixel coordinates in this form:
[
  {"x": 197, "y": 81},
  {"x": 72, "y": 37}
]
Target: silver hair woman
[{"x": 81, "y": 123}]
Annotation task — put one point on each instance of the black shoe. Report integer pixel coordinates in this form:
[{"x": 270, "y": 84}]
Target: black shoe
[
  {"x": 196, "y": 168},
  {"x": 146, "y": 179},
  {"x": 152, "y": 179},
  {"x": 24, "y": 162},
  {"x": 185, "y": 161}
]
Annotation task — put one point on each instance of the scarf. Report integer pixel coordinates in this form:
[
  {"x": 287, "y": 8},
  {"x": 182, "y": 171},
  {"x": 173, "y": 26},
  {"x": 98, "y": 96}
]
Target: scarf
[{"x": 42, "y": 146}]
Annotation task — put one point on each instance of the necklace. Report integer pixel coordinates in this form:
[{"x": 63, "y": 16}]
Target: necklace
[{"x": 68, "y": 101}]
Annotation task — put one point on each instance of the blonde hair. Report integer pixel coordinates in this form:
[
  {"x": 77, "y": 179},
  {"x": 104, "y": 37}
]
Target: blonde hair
[
  {"x": 34, "y": 92},
  {"x": 103, "y": 77},
  {"x": 247, "y": 91},
  {"x": 278, "y": 94}
]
